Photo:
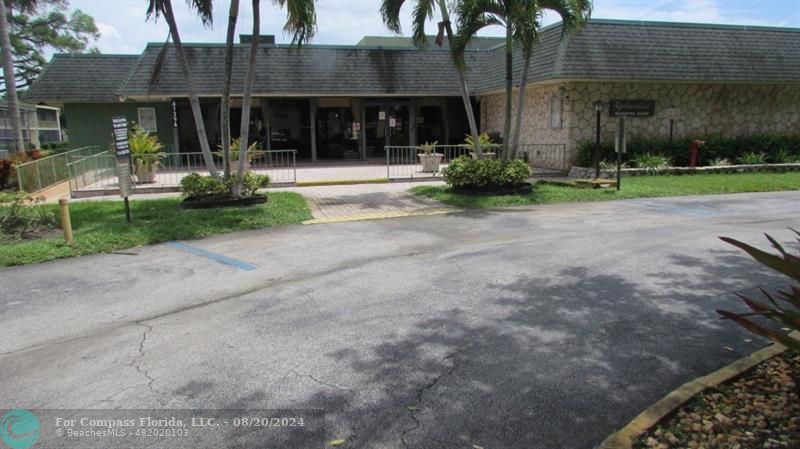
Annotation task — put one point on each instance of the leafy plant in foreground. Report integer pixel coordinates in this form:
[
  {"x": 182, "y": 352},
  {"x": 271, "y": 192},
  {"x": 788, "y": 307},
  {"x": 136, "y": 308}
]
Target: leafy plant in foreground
[
  {"x": 783, "y": 307},
  {"x": 752, "y": 159},
  {"x": 22, "y": 215},
  {"x": 653, "y": 163}
]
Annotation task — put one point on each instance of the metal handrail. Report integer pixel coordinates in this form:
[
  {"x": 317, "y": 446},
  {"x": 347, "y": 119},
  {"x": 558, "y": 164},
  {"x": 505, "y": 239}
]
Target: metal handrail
[{"x": 48, "y": 171}]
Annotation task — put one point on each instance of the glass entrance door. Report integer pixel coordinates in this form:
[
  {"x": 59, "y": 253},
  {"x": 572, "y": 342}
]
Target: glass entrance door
[{"x": 386, "y": 124}]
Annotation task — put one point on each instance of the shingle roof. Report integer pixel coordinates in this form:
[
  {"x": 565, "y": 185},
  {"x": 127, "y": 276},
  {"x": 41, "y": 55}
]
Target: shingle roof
[
  {"x": 88, "y": 78},
  {"x": 658, "y": 51},
  {"x": 309, "y": 70},
  {"x": 602, "y": 50},
  {"x": 478, "y": 43}
]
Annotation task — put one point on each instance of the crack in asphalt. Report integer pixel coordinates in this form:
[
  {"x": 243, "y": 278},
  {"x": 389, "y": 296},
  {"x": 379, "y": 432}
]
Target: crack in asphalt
[
  {"x": 136, "y": 360},
  {"x": 421, "y": 392}
]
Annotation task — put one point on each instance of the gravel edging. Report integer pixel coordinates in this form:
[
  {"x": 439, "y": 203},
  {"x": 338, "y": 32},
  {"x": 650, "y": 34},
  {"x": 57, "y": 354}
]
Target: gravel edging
[{"x": 625, "y": 437}]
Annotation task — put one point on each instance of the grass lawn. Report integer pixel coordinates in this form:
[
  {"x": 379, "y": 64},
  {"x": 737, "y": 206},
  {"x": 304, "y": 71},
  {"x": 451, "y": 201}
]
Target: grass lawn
[
  {"x": 99, "y": 226},
  {"x": 632, "y": 187}
]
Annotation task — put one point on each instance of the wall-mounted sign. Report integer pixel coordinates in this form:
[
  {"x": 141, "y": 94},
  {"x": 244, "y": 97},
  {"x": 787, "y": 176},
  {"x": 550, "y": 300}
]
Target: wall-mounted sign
[
  {"x": 631, "y": 108},
  {"x": 356, "y": 127},
  {"x": 392, "y": 122},
  {"x": 381, "y": 115}
]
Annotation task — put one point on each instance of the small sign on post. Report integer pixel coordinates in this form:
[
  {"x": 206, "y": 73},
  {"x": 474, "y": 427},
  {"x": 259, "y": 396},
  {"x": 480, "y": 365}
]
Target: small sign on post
[
  {"x": 631, "y": 108},
  {"x": 123, "y": 152}
]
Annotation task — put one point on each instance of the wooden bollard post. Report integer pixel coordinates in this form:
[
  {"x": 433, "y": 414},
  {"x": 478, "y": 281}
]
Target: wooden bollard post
[{"x": 66, "y": 224}]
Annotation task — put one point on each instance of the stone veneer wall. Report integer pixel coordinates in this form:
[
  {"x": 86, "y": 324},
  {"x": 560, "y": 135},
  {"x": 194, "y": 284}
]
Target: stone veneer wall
[
  {"x": 705, "y": 109},
  {"x": 535, "y": 119}
]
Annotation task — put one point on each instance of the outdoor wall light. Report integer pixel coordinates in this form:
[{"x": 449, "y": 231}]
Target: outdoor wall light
[{"x": 598, "y": 106}]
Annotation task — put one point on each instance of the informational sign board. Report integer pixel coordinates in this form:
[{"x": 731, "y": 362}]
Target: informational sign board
[
  {"x": 123, "y": 153},
  {"x": 381, "y": 115},
  {"x": 356, "y": 127},
  {"x": 392, "y": 122},
  {"x": 631, "y": 108}
]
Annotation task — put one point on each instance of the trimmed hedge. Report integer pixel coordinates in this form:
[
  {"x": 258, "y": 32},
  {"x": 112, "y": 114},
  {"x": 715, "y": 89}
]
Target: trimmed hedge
[
  {"x": 464, "y": 172},
  {"x": 716, "y": 147}
]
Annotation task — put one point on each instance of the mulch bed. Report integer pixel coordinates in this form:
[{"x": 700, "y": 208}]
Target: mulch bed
[
  {"x": 520, "y": 189},
  {"x": 760, "y": 409},
  {"x": 222, "y": 201}
]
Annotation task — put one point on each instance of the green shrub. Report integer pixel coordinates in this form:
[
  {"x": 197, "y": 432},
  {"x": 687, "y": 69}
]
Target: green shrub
[
  {"x": 716, "y": 146},
  {"x": 783, "y": 308},
  {"x": 464, "y": 172},
  {"x": 783, "y": 156},
  {"x": 653, "y": 163},
  {"x": 752, "y": 159},
  {"x": 252, "y": 182},
  {"x": 197, "y": 186}
]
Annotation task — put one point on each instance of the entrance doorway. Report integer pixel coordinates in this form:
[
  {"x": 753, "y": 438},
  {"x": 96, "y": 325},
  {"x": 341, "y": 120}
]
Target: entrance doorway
[{"x": 387, "y": 123}]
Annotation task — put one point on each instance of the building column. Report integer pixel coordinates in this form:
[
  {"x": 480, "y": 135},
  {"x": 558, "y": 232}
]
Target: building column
[
  {"x": 312, "y": 108},
  {"x": 176, "y": 135},
  {"x": 362, "y": 139},
  {"x": 445, "y": 122},
  {"x": 266, "y": 113},
  {"x": 412, "y": 122}
]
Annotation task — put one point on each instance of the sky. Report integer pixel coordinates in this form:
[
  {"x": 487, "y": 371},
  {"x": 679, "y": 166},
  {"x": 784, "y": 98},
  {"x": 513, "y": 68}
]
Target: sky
[{"x": 124, "y": 30}]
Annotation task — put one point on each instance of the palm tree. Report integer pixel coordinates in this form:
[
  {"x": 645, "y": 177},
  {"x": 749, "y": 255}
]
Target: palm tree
[
  {"x": 301, "y": 23},
  {"x": 233, "y": 14},
  {"x": 573, "y": 13},
  {"x": 11, "y": 83},
  {"x": 158, "y": 8},
  {"x": 520, "y": 18},
  {"x": 423, "y": 10}
]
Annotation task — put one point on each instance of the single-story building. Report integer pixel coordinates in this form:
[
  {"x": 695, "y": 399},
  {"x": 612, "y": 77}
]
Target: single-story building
[{"x": 338, "y": 102}]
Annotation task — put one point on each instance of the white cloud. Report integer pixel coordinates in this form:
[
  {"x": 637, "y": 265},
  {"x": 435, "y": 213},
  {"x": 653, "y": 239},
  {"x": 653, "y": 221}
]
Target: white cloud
[{"x": 124, "y": 29}]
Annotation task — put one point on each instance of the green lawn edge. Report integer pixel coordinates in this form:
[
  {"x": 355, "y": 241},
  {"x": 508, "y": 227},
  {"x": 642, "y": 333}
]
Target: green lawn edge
[
  {"x": 632, "y": 187},
  {"x": 100, "y": 227}
]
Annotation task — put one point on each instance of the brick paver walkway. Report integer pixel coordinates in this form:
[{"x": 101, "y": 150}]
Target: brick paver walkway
[{"x": 367, "y": 201}]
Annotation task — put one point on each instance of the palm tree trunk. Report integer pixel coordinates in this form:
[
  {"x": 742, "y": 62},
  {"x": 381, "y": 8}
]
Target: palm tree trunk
[
  {"x": 233, "y": 14},
  {"x": 520, "y": 104},
  {"x": 509, "y": 87},
  {"x": 11, "y": 82},
  {"x": 194, "y": 101},
  {"x": 246, "y": 100},
  {"x": 462, "y": 83}
]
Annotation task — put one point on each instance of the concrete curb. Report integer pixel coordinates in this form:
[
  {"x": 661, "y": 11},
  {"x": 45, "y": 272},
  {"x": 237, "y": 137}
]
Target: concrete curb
[
  {"x": 381, "y": 215},
  {"x": 341, "y": 182},
  {"x": 624, "y": 438}
]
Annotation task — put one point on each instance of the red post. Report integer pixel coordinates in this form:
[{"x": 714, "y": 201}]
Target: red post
[{"x": 696, "y": 144}]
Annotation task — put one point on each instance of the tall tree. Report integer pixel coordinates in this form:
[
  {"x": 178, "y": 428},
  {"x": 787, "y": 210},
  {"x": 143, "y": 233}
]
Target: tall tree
[
  {"x": 11, "y": 84},
  {"x": 423, "y": 11},
  {"x": 233, "y": 14},
  {"x": 157, "y": 8},
  {"x": 527, "y": 21},
  {"x": 520, "y": 18},
  {"x": 301, "y": 23},
  {"x": 39, "y": 26}
]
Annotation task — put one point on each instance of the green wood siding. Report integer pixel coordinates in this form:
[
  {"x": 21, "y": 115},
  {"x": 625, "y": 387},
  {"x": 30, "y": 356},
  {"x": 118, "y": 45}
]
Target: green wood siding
[{"x": 90, "y": 123}]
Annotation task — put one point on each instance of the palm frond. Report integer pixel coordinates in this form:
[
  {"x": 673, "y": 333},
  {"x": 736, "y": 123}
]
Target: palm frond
[
  {"x": 423, "y": 10},
  {"x": 390, "y": 12},
  {"x": 301, "y": 19}
]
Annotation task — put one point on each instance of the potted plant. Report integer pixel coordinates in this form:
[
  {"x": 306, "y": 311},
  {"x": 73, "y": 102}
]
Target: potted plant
[
  {"x": 487, "y": 145},
  {"x": 429, "y": 157},
  {"x": 146, "y": 154},
  {"x": 235, "y": 144}
]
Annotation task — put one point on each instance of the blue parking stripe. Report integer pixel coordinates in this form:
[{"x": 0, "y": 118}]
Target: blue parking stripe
[{"x": 213, "y": 256}]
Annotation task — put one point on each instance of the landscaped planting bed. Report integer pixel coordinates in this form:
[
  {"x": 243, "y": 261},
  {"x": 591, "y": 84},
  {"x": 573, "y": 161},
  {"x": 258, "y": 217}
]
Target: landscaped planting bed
[{"x": 760, "y": 409}]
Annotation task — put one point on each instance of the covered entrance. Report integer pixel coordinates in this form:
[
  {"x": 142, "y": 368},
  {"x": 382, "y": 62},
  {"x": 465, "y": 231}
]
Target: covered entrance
[{"x": 386, "y": 123}]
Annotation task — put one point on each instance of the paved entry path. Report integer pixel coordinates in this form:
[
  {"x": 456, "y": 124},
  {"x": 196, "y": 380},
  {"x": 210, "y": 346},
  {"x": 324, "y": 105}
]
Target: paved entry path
[{"x": 367, "y": 201}]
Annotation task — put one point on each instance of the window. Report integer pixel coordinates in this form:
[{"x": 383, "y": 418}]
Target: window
[
  {"x": 555, "y": 111},
  {"x": 147, "y": 119}
]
